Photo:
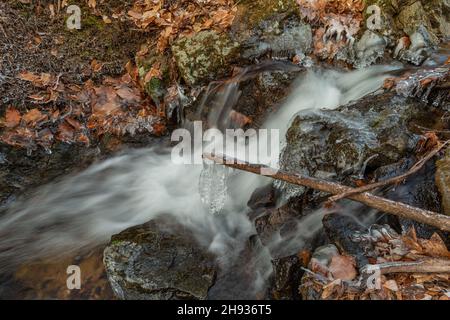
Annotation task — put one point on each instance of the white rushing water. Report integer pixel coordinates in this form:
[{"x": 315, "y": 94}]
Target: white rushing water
[{"x": 85, "y": 209}]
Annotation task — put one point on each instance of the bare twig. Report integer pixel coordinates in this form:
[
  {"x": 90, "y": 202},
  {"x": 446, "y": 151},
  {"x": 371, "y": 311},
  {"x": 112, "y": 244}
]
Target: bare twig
[
  {"x": 437, "y": 220},
  {"x": 432, "y": 265},
  {"x": 395, "y": 180}
]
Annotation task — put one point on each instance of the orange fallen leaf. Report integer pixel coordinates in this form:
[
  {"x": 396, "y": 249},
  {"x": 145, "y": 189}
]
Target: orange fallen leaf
[
  {"x": 65, "y": 132},
  {"x": 96, "y": 66},
  {"x": 92, "y": 4},
  {"x": 42, "y": 80},
  {"x": 33, "y": 116},
  {"x": 154, "y": 72},
  {"x": 74, "y": 123},
  {"x": 12, "y": 117}
]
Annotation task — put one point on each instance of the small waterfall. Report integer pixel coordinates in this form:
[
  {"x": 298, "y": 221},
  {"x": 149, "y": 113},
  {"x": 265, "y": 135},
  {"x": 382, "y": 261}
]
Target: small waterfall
[{"x": 84, "y": 210}]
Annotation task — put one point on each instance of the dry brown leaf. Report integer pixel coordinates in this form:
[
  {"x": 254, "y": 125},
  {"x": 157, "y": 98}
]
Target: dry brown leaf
[
  {"x": 240, "y": 119},
  {"x": 12, "y": 117},
  {"x": 96, "y": 66},
  {"x": 92, "y": 4},
  {"x": 129, "y": 94},
  {"x": 74, "y": 123},
  {"x": 33, "y": 116},
  {"x": 435, "y": 247},
  {"x": 391, "y": 285},
  {"x": 42, "y": 80},
  {"x": 106, "y": 19},
  {"x": 343, "y": 267},
  {"x": 154, "y": 72},
  {"x": 65, "y": 133}
]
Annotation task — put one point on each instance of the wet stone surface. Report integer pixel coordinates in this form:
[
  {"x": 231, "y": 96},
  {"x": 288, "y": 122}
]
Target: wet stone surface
[{"x": 158, "y": 260}]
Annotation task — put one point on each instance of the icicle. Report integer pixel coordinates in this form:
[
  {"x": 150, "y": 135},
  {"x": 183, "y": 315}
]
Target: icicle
[{"x": 213, "y": 187}]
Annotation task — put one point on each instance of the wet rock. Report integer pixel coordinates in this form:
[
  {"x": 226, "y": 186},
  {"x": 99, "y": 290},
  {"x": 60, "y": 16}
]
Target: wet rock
[
  {"x": 420, "y": 47},
  {"x": 323, "y": 254},
  {"x": 280, "y": 41},
  {"x": 339, "y": 144},
  {"x": 204, "y": 56},
  {"x": 262, "y": 197},
  {"x": 438, "y": 12},
  {"x": 275, "y": 222},
  {"x": 405, "y": 17},
  {"x": 443, "y": 180},
  {"x": 418, "y": 190},
  {"x": 158, "y": 260},
  {"x": 369, "y": 48},
  {"x": 286, "y": 278},
  {"x": 414, "y": 16},
  {"x": 340, "y": 229}
]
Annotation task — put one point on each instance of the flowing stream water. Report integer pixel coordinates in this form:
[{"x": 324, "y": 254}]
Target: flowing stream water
[{"x": 83, "y": 210}]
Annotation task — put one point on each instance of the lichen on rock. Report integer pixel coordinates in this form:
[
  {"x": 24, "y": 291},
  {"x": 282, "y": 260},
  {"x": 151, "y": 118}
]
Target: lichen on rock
[{"x": 204, "y": 56}]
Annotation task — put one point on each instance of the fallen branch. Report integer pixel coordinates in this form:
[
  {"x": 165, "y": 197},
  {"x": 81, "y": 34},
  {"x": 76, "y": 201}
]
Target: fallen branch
[
  {"x": 437, "y": 220},
  {"x": 395, "y": 180},
  {"x": 424, "y": 266}
]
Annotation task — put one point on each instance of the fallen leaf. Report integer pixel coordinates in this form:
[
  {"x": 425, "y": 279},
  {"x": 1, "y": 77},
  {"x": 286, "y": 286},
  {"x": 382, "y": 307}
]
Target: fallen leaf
[
  {"x": 12, "y": 117},
  {"x": 240, "y": 119},
  {"x": 342, "y": 267},
  {"x": 34, "y": 116},
  {"x": 96, "y": 66},
  {"x": 65, "y": 133},
  {"x": 435, "y": 247},
  {"x": 154, "y": 72},
  {"x": 391, "y": 285},
  {"x": 129, "y": 94},
  {"x": 74, "y": 123},
  {"x": 106, "y": 19},
  {"x": 92, "y": 4}
]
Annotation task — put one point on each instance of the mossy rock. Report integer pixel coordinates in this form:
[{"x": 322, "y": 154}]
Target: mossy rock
[
  {"x": 253, "y": 12},
  {"x": 156, "y": 86},
  {"x": 204, "y": 56},
  {"x": 406, "y": 16},
  {"x": 443, "y": 180}
]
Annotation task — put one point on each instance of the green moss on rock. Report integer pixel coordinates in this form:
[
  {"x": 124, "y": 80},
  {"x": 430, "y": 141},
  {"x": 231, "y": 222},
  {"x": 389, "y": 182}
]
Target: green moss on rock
[
  {"x": 204, "y": 56},
  {"x": 256, "y": 11}
]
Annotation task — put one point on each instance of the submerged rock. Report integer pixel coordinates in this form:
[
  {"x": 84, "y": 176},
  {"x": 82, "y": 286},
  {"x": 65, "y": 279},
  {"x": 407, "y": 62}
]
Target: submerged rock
[{"x": 158, "y": 260}]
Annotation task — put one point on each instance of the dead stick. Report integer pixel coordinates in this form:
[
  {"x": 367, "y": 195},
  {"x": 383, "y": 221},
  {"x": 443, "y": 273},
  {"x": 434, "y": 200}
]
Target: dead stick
[
  {"x": 437, "y": 220},
  {"x": 431, "y": 265},
  {"x": 395, "y": 180}
]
